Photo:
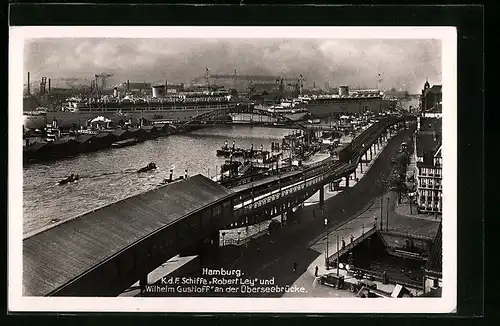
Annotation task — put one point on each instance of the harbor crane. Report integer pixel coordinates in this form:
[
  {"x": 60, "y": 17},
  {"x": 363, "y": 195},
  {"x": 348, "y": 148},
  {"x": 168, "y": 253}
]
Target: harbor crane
[
  {"x": 298, "y": 85},
  {"x": 103, "y": 76}
]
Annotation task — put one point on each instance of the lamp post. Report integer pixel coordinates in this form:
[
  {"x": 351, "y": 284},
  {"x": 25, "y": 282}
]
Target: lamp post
[
  {"x": 327, "y": 236},
  {"x": 410, "y": 196},
  {"x": 387, "y": 215},
  {"x": 381, "y": 209},
  {"x": 338, "y": 255}
]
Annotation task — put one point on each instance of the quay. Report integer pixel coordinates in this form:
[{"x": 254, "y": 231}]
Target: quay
[{"x": 105, "y": 251}]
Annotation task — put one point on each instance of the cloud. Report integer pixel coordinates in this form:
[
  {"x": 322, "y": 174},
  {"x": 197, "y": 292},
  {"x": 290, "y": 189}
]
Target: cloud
[{"x": 402, "y": 63}]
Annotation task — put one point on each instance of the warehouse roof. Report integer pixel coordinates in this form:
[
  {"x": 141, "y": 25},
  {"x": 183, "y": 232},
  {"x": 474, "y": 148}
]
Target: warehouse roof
[{"x": 58, "y": 254}]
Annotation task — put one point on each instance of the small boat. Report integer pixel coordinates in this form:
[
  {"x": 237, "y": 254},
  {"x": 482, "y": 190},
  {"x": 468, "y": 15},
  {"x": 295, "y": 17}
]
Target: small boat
[
  {"x": 124, "y": 143},
  {"x": 71, "y": 178},
  {"x": 149, "y": 167}
]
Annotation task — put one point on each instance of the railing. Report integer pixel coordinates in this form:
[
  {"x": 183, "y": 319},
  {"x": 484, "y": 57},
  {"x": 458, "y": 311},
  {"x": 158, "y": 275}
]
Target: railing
[
  {"x": 351, "y": 245},
  {"x": 379, "y": 276},
  {"x": 407, "y": 235}
]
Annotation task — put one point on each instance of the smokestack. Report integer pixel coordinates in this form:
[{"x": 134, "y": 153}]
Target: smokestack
[
  {"x": 49, "y": 85},
  {"x": 166, "y": 88},
  {"x": 128, "y": 85},
  {"x": 29, "y": 83}
]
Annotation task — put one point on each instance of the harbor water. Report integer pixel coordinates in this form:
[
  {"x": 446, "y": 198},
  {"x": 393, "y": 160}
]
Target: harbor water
[{"x": 110, "y": 175}]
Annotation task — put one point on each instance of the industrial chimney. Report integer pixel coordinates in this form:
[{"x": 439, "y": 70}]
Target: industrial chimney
[
  {"x": 49, "y": 85},
  {"x": 166, "y": 87},
  {"x": 344, "y": 90},
  {"x": 29, "y": 83},
  {"x": 128, "y": 85}
]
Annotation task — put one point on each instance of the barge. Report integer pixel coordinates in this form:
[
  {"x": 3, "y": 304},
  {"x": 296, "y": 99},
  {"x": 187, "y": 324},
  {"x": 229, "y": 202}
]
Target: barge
[{"x": 124, "y": 143}]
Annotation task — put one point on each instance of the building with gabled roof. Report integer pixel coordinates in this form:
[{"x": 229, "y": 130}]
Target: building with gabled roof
[
  {"x": 430, "y": 96},
  {"x": 428, "y": 167}
]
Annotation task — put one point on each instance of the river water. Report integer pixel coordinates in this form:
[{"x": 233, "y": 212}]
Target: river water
[{"x": 108, "y": 176}]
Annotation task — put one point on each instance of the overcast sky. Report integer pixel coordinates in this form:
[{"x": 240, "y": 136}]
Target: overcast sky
[{"x": 403, "y": 64}]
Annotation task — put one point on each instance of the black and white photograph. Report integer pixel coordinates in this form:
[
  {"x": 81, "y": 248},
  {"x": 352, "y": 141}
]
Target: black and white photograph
[{"x": 189, "y": 169}]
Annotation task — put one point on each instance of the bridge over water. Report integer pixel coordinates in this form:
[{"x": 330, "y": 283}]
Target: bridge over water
[
  {"x": 103, "y": 252},
  {"x": 221, "y": 116}
]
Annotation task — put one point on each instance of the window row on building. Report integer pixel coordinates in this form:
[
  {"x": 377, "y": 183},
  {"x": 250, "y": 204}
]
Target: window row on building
[{"x": 435, "y": 171}]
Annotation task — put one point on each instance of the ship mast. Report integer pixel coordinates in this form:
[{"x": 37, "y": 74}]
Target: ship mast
[
  {"x": 206, "y": 78},
  {"x": 235, "y": 79}
]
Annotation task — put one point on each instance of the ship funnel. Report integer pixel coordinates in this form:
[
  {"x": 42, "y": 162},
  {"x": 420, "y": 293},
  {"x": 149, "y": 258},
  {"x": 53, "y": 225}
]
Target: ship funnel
[{"x": 343, "y": 90}]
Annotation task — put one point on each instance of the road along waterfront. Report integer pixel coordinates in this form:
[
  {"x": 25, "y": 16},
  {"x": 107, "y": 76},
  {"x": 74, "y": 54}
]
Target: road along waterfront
[
  {"x": 274, "y": 255},
  {"x": 110, "y": 175}
]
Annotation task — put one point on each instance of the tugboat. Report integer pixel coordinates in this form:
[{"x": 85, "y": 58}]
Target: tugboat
[
  {"x": 71, "y": 178},
  {"x": 149, "y": 167}
]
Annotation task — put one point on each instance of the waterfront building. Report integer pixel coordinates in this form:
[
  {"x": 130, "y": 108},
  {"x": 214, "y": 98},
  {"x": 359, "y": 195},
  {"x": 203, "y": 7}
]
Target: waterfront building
[
  {"x": 430, "y": 96},
  {"x": 428, "y": 168}
]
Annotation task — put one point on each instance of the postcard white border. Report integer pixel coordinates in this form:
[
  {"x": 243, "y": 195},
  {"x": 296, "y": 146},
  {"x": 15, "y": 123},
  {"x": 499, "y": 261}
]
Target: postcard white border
[{"x": 447, "y": 303}]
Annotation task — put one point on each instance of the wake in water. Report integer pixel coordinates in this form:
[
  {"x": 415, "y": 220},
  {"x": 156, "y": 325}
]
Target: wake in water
[{"x": 94, "y": 176}]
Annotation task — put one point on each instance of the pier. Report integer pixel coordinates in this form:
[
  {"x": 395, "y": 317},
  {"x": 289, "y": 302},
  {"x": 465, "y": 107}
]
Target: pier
[{"x": 139, "y": 233}]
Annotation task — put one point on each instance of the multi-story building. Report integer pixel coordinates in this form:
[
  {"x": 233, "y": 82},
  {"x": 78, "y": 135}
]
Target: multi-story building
[
  {"x": 431, "y": 96},
  {"x": 429, "y": 175},
  {"x": 428, "y": 153}
]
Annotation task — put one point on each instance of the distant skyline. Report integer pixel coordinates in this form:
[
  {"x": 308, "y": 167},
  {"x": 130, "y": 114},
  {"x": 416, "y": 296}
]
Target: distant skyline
[{"x": 402, "y": 64}]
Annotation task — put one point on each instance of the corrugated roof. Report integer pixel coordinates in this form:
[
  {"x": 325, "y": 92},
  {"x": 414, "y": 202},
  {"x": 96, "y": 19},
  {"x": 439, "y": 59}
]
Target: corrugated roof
[
  {"x": 84, "y": 138},
  {"x": 60, "y": 253},
  {"x": 148, "y": 128},
  {"x": 64, "y": 141},
  {"x": 118, "y": 132},
  {"x": 435, "y": 262},
  {"x": 35, "y": 146}
]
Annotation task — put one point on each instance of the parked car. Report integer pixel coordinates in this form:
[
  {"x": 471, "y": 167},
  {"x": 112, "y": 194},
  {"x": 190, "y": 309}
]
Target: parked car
[
  {"x": 333, "y": 280},
  {"x": 355, "y": 287}
]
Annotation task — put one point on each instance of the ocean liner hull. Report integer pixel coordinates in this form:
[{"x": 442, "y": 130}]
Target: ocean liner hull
[
  {"x": 338, "y": 107},
  {"x": 66, "y": 119},
  {"x": 255, "y": 118}
]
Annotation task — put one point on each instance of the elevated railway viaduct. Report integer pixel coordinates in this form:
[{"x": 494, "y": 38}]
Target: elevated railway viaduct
[{"x": 103, "y": 252}]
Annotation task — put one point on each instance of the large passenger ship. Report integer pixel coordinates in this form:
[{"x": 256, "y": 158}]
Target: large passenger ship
[
  {"x": 76, "y": 111},
  {"x": 346, "y": 102}
]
